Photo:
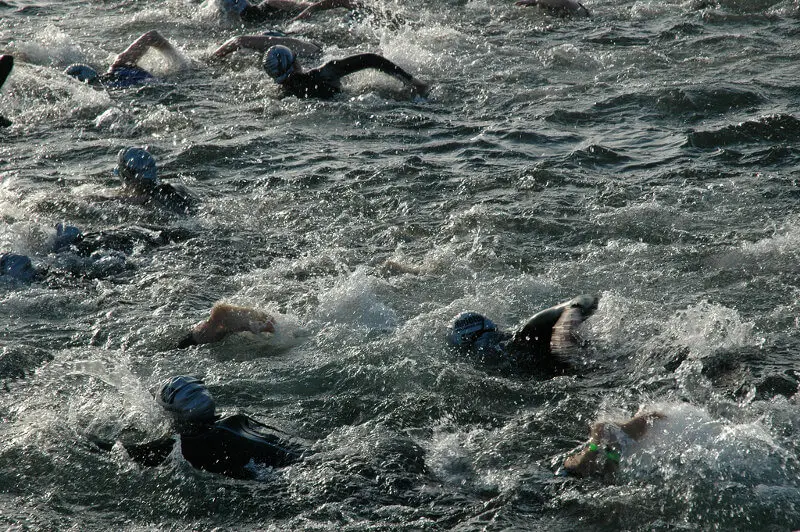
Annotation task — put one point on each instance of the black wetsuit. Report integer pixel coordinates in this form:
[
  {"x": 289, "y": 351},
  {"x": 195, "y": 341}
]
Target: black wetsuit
[
  {"x": 325, "y": 81},
  {"x": 256, "y": 14},
  {"x": 6, "y": 64},
  {"x": 123, "y": 76},
  {"x": 529, "y": 347},
  {"x": 224, "y": 447},
  {"x": 125, "y": 239}
]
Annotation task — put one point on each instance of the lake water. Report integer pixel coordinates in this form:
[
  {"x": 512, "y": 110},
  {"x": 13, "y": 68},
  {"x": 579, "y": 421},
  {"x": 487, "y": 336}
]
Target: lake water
[{"x": 648, "y": 154}]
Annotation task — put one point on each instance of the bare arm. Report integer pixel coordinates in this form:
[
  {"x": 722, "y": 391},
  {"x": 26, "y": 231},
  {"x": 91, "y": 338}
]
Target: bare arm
[
  {"x": 226, "y": 319},
  {"x": 637, "y": 426},
  {"x": 262, "y": 43},
  {"x": 139, "y": 47},
  {"x": 322, "y": 5},
  {"x": 337, "y": 69},
  {"x": 286, "y": 5}
]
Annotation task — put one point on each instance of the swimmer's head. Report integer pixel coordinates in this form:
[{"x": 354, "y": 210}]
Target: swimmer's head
[
  {"x": 279, "y": 62},
  {"x": 594, "y": 459},
  {"x": 83, "y": 73},
  {"x": 468, "y": 327},
  {"x": 17, "y": 267},
  {"x": 137, "y": 168},
  {"x": 234, "y": 6},
  {"x": 186, "y": 399},
  {"x": 66, "y": 235}
]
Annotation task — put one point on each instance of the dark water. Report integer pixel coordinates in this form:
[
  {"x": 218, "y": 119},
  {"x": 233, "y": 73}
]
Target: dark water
[{"x": 648, "y": 154}]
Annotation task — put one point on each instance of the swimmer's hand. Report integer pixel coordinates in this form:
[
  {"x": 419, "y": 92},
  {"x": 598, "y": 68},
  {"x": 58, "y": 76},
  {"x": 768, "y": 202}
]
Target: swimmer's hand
[
  {"x": 228, "y": 47},
  {"x": 420, "y": 87}
]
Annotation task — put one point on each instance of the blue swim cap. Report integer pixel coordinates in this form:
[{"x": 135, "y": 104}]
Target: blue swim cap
[
  {"x": 234, "y": 6},
  {"x": 279, "y": 63},
  {"x": 82, "y": 72},
  {"x": 136, "y": 166},
  {"x": 17, "y": 266},
  {"x": 467, "y": 327},
  {"x": 66, "y": 235},
  {"x": 186, "y": 399}
]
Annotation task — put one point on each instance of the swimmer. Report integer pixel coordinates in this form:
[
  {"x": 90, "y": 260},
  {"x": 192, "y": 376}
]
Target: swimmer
[
  {"x": 262, "y": 43},
  {"x": 608, "y": 442},
  {"x": 281, "y": 64},
  {"x": 137, "y": 169},
  {"x": 6, "y": 64},
  {"x": 17, "y": 268},
  {"x": 227, "y": 319},
  {"x": 226, "y": 445},
  {"x": 121, "y": 239},
  {"x": 551, "y": 330},
  {"x": 561, "y": 7},
  {"x": 270, "y": 9},
  {"x": 124, "y": 71}
]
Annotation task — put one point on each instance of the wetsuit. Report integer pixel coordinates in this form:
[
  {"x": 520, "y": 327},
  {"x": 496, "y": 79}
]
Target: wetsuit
[
  {"x": 225, "y": 447},
  {"x": 528, "y": 348},
  {"x": 325, "y": 81},
  {"x": 124, "y": 76},
  {"x": 121, "y": 239},
  {"x": 256, "y": 14},
  {"x": 6, "y": 64}
]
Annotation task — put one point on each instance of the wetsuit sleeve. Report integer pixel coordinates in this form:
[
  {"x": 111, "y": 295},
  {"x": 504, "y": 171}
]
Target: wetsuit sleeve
[
  {"x": 6, "y": 64},
  {"x": 152, "y": 453},
  {"x": 337, "y": 69},
  {"x": 537, "y": 331},
  {"x": 187, "y": 341},
  {"x": 174, "y": 198},
  {"x": 147, "y": 454}
]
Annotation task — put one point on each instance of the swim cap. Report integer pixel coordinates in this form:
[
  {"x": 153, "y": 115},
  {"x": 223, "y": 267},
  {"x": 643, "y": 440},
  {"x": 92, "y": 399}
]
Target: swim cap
[
  {"x": 66, "y": 235},
  {"x": 17, "y": 266},
  {"x": 137, "y": 167},
  {"x": 82, "y": 72},
  {"x": 234, "y": 6},
  {"x": 187, "y": 399},
  {"x": 467, "y": 327},
  {"x": 279, "y": 63}
]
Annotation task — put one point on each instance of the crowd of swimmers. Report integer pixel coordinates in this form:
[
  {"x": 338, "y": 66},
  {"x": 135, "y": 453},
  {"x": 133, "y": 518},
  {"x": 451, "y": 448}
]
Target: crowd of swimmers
[{"x": 232, "y": 444}]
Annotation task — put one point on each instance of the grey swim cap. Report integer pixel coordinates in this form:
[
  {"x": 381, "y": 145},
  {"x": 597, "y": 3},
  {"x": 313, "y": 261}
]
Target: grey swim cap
[
  {"x": 279, "y": 63},
  {"x": 82, "y": 72},
  {"x": 186, "y": 399},
  {"x": 137, "y": 167},
  {"x": 467, "y": 327}
]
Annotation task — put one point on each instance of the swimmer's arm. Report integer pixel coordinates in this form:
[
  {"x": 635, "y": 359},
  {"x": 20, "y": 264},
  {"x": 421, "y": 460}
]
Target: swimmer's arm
[
  {"x": 637, "y": 426},
  {"x": 326, "y": 4},
  {"x": 227, "y": 319},
  {"x": 6, "y": 64},
  {"x": 285, "y": 5},
  {"x": 262, "y": 43},
  {"x": 339, "y": 68},
  {"x": 139, "y": 47},
  {"x": 147, "y": 454}
]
